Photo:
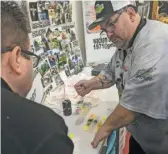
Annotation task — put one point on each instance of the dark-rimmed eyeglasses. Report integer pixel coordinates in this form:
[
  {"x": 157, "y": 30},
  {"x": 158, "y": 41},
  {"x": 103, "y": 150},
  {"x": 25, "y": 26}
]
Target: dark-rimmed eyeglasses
[
  {"x": 110, "y": 26},
  {"x": 35, "y": 58}
]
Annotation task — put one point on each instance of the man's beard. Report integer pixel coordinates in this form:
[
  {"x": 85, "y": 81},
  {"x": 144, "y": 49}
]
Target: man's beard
[{"x": 120, "y": 44}]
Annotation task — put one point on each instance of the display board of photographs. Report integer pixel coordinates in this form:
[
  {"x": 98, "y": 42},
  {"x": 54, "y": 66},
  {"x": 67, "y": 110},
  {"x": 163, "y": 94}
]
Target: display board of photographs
[
  {"x": 53, "y": 38},
  {"x": 46, "y": 13}
]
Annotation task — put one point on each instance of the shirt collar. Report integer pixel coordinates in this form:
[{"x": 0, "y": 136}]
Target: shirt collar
[
  {"x": 5, "y": 85},
  {"x": 140, "y": 26}
]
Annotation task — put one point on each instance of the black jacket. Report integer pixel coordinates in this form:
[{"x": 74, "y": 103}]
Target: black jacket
[{"x": 30, "y": 128}]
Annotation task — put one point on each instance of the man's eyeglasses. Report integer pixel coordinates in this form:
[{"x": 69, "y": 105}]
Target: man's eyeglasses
[
  {"x": 111, "y": 24},
  {"x": 35, "y": 58}
]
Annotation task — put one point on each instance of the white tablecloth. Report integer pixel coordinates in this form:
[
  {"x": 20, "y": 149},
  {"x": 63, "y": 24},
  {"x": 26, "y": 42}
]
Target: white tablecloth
[{"x": 108, "y": 99}]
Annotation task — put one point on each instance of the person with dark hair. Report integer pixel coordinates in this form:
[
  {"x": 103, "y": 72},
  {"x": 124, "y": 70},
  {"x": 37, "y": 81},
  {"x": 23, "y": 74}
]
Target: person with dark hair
[
  {"x": 139, "y": 70},
  {"x": 26, "y": 127}
]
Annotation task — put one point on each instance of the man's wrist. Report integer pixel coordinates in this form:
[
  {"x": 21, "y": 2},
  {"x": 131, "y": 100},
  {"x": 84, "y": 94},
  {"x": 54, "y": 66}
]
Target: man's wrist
[
  {"x": 95, "y": 83},
  {"x": 107, "y": 127},
  {"x": 100, "y": 81}
]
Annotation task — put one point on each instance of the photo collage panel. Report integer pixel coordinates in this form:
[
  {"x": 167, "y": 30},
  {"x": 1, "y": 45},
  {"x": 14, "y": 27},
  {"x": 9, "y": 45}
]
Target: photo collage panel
[{"x": 53, "y": 38}]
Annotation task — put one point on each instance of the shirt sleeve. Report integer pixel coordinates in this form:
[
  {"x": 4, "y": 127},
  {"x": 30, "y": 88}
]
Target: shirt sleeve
[
  {"x": 146, "y": 91},
  {"x": 109, "y": 70}
]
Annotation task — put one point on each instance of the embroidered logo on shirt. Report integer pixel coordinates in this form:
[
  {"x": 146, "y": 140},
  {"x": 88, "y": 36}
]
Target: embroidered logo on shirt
[{"x": 144, "y": 74}]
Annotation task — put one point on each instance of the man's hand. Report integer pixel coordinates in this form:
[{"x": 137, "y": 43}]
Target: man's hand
[
  {"x": 119, "y": 118},
  {"x": 83, "y": 87},
  {"x": 100, "y": 135}
]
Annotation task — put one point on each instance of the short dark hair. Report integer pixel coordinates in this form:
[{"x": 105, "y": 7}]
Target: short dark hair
[{"x": 14, "y": 25}]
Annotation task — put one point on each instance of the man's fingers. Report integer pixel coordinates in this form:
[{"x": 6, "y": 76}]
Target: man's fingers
[
  {"x": 77, "y": 87},
  {"x": 79, "y": 84},
  {"x": 80, "y": 90},
  {"x": 95, "y": 143},
  {"x": 96, "y": 140},
  {"x": 82, "y": 93}
]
